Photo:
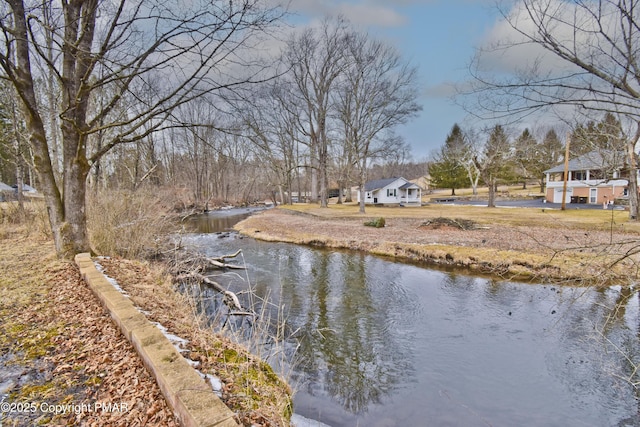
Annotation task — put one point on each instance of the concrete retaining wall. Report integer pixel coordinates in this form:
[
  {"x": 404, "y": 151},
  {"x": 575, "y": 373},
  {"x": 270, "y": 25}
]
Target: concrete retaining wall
[{"x": 194, "y": 403}]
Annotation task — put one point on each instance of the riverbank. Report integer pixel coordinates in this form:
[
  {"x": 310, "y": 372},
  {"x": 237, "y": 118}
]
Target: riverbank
[
  {"x": 577, "y": 246},
  {"x": 64, "y": 362}
]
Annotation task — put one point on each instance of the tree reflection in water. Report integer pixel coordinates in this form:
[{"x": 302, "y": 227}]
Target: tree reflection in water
[
  {"x": 383, "y": 342},
  {"x": 348, "y": 339}
]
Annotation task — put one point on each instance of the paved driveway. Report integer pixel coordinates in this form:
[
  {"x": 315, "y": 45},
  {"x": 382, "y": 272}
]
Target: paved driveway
[{"x": 528, "y": 203}]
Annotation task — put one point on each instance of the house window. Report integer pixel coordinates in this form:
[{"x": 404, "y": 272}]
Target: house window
[
  {"x": 580, "y": 175},
  {"x": 391, "y": 192}
]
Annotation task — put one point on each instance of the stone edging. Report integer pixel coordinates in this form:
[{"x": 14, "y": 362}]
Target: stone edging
[{"x": 193, "y": 402}]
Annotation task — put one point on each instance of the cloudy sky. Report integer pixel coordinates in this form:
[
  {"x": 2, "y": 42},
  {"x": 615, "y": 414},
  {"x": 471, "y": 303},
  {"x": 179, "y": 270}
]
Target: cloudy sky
[{"x": 438, "y": 36}]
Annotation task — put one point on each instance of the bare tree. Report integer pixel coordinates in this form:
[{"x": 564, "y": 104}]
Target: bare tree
[
  {"x": 316, "y": 59},
  {"x": 450, "y": 167},
  {"x": 272, "y": 123},
  {"x": 377, "y": 92},
  {"x": 463, "y": 150},
  {"x": 493, "y": 163},
  {"x": 196, "y": 49},
  {"x": 581, "y": 54}
]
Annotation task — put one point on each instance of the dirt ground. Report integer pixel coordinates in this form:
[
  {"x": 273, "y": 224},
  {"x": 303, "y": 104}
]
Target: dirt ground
[{"x": 540, "y": 252}]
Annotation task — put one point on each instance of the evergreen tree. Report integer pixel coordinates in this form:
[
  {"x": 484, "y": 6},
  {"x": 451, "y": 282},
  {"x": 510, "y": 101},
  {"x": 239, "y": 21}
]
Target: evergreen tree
[
  {"x": 606, "y": 135},
  {"x": 525, "y": 157},
  {"x": 448, "y": 171},
  {"x": 550, "y": 153}
]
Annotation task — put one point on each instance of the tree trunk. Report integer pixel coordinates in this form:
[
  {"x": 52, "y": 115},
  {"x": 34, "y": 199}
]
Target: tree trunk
[
  {"x": 347, "y": 197},
  {"x": 633, "y": 176},
  {"x": 19, "y": 161},
  {"x": 361, "y": 203},
  {"x": 363, "y": 180},
  {"x": 492, "y": 193},
  {"x": 22, "y": 79},
  {"x": 314, "y": 171},
  {"x": 323, "y": 164}
]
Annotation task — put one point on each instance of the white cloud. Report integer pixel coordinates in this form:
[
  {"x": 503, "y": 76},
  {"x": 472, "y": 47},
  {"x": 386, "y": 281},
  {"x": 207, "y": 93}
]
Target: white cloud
[
  {"x": 505, "y": 50},
  {"x": 572, "y": 26},
  {"x": 365, "y": 13}
]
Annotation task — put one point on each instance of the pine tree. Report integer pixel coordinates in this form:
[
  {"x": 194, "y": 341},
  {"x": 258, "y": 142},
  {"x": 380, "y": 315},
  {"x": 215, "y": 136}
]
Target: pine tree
[{"x": 448, "y": 171}]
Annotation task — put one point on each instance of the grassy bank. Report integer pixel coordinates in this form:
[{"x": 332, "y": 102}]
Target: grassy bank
[
  {"x": 595, "y": 246},
  {"x": 58, "y": 345},
  {"x": 583, "y": 219}
]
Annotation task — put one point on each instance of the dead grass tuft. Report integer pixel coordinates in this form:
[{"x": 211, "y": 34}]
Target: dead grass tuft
[
  {"x": 129, "y": 224},
  {"x": 29, "y": 219}
]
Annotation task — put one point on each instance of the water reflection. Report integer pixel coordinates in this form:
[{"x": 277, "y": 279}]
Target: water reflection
[
  {"x": 348, "y": 345},
  {"x": 383, "y": 343}
]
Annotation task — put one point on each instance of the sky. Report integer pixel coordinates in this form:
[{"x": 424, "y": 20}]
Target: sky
[{"x": 436, "y": 36}]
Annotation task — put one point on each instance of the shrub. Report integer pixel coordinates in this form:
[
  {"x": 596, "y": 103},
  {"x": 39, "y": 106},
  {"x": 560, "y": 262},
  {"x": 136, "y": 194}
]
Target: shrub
[
  {"x": 131, "y": 224},
  {"x": 376, "y": 222}
]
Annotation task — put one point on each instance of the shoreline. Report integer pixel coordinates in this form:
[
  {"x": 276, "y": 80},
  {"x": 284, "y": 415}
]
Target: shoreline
[{"x": 536, "y": 253}]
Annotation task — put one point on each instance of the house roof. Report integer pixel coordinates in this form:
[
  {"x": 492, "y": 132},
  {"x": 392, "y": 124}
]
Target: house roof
[
  {"x": 589, "y": 161},
  {"x": 409, "y": 185},
  {"x": 379, "y": 183},
  {"x": 5, "y": 187}
]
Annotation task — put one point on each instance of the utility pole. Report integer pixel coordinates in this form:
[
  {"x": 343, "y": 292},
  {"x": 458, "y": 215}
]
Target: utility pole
[{"x": 566, "y": 172}]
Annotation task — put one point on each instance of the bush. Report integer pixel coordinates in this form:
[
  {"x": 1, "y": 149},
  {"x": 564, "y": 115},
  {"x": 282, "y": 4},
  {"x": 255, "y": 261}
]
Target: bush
[
  {"x": 32, "y": 215},
  {"x": 376, "y": 222},
  {"x": 128, "y": 224}
]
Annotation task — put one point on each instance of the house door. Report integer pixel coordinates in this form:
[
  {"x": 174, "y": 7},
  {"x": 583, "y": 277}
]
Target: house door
[
  {"x": 557, "y": 195},
  {"x": 593, "y": 195}
]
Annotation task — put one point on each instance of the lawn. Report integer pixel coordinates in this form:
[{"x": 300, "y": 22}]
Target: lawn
[{"x": 587, "y": 219}]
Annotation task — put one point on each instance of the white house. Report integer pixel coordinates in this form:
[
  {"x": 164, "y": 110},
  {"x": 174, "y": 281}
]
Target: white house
[
  {"x": 392, "y": 191},
  {"x": 593, "y": 178}
]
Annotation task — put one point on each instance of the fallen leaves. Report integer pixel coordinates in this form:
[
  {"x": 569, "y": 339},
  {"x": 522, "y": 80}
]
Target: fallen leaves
[{"x": 70, "y": 351}]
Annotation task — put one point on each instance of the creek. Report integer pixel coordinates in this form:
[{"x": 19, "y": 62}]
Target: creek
[{"x": 374, "y": 342}]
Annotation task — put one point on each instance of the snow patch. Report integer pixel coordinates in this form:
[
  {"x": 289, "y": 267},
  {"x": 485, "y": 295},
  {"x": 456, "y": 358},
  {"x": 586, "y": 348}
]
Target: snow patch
[
  {"x": 178, "y": 342},
  {"x": 111, "y": 280},
  {"x": 300, "y": 421}
]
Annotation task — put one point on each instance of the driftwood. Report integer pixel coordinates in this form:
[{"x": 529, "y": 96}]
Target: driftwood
[
  {"x": 230, "y": 299},
  {"x": 221, "y": 262},
  {"x": 459, "y": 223},
  {"x": 189, "y": 266}
]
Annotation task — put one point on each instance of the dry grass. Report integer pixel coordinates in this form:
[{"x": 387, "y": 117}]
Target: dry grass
[
  {"x": 251, "y": 388},
  {"x": 587, "y": 219},
  {"x": 581, "y": 246},
  {"x": 32, "y": 218},
  {"x": 129, "y": 224}
]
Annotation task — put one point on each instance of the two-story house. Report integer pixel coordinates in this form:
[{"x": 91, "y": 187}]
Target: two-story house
[{"x": 595, "y": 178}]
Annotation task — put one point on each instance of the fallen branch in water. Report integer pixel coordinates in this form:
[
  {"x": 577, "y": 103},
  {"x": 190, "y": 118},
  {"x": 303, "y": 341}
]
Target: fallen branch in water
[
  {"x": 230, "y": 299},
  {"x": 221, "y": 262}
]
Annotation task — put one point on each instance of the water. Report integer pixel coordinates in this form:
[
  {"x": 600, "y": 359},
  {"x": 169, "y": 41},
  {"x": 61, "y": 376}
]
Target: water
[{"x": 388, "y": 344}]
